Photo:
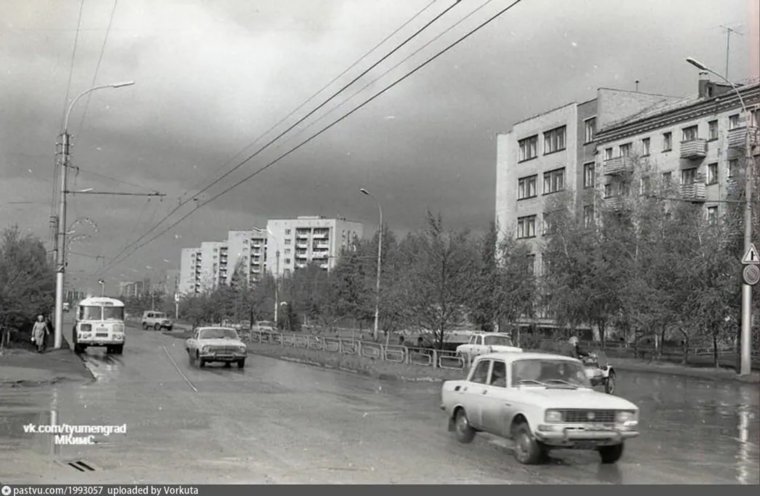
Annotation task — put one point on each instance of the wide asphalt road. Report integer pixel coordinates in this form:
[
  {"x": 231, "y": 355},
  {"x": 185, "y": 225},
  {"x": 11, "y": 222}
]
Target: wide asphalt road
[{"x": 282, "y": 422}]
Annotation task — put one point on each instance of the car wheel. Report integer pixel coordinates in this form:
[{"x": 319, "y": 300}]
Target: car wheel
[
  {"x": 109, "y": 350},
  {"x": 227, "y": 365},
  {"x": 78, "y": 348},
  {"x": 611, "y": 454},
  {"x": 462, "y": 428},
  {"x": 527, "y": 450},
  {"x": 201, "y": 363},
  {"x": 144, "y": 326},
  {"x": 119, "y": 350},
  {"x": 609, "y": 384},
  {"x": 157, "y": 327},
  {"x": 241, "y": 363}
]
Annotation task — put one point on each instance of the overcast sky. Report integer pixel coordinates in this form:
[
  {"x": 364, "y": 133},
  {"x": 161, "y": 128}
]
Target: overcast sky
[{"x": 212, "y": 76}]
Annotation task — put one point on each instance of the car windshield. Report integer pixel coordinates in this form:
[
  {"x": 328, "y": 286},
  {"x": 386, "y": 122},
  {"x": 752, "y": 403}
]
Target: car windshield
[
  {"x": 498, "y": 341},
  {"x": 548, "y": 372},
  {"x": 113, "y": 313},
  {"x": 218, "y": 333},
  {"x": 159, "y": 315}
]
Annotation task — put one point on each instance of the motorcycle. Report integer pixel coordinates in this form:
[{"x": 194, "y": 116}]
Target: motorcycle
[{"x": 599, "y": 371}]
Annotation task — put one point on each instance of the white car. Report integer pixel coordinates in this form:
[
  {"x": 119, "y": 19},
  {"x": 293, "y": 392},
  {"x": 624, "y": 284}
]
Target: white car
[
  {"x": 541, "y": 401},
  {"x": 482, "y": 343},
  {"x": 216, "y": 344}
]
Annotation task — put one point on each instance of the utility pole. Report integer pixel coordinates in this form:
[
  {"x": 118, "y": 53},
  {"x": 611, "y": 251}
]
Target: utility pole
[{"x": 276, "y": 289}]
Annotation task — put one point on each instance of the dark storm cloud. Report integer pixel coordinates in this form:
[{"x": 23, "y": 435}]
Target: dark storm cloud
[{"x": 211, "y": 77}]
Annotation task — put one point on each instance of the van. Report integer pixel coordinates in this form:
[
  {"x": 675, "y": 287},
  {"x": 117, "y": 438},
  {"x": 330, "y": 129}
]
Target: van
[{"x": 152, "y": 319}]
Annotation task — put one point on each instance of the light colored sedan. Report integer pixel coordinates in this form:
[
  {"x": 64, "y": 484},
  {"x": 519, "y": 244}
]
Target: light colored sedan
[
  {"x": 216, "y": 344},
  {"x": 482, "y": 343},
  {"x": 542, "y": 402}
]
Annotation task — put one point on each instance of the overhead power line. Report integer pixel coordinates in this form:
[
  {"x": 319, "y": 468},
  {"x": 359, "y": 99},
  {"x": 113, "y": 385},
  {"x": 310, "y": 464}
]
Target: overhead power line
[
  {"x": 281, "y": 134},
  {"x": 321, "y": 131}
]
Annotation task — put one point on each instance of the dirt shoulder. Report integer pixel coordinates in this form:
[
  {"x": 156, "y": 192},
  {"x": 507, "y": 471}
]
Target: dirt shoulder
[{"x": 20, "y": 368}]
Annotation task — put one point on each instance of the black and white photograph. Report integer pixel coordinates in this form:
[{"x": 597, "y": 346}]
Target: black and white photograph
[{"x": 378, "y": 243}]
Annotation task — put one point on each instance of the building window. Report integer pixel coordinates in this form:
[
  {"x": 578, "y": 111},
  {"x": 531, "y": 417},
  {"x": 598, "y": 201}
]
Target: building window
[
  {"x": 733, "y": 121},
  {"x": 590, "y": 127},
  {"x": 549, "y": 226},
  {"x": 530, "y": 265},
  {"x": 554, "y": 140},
  {"x": 608, "y": 190},
  {"x": 526, "y": 187},
  {"x": 287, "y": 261},
  {"x": 287, "y": 232},
  {"x": 733, "y": 168},
  {"x": 712, "y": 130},
  {"x": 526, "y": 227},
  {"x": 667, "y": 141},
  {"x": 667, "y": 178},
  {"x": 588, "y": 175},
  {"x": 588, "y": 216},
  {"x": 528, "y": 148},
  {"x": 287, "y": 251},
  {"x": 689, "y": 133},
  {"x": 625, "y": 150},
  {"x": 688, "y": 176},
  {"x": 712, "y": 215},
  {"x": 607, "y": 153},
  {"x": 712, "y": 173},
  {"x": 288, "y": 241},
  {"x": 646, "y": 186},
  {"x": 554, "y": 181},
  {"x": 645, "y": 145}
]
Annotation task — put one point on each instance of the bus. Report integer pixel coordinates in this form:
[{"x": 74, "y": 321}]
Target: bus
[{"x": 99, "y": 322}]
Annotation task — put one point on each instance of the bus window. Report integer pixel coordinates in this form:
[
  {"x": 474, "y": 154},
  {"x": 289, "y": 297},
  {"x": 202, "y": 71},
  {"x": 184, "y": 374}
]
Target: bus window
[
  {"x": 113, "y": 313},
  {"x": 90, "y": 313}
]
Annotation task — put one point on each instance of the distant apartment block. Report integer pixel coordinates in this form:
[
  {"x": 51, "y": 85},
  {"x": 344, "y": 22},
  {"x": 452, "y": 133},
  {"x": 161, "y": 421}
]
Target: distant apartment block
[
  {"x": 295, "y": 243},
  {"x": 134, "y": 288}
]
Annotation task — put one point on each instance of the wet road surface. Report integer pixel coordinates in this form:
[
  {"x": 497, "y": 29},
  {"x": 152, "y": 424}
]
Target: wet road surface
[{"x": 281, "y": 422}]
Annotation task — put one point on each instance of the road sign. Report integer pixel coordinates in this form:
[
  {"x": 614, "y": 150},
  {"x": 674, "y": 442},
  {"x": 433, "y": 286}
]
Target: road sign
[
  {"x": 751, "y": 274},
  {"x": 176, "y": 297},
  {"x": 752, "y": 256}
]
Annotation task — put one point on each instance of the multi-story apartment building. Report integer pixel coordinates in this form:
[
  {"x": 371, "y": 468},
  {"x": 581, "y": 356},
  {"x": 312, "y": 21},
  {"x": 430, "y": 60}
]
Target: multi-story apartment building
[
  {"x": 246, "y": 253},
  {"x": 190, "y": 275},
  {"x": 294, "y": 243},
  {"x": 552, "y": 153},
  {"x": 694, "y": 147},
  {"x": 242, "y": 257},
  {"x": 695, "y": 144}
]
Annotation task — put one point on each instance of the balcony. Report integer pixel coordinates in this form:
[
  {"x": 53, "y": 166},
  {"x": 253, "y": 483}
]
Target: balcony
[
  {"x": 302, "y": 246},
  {"x": 617, "y": 165},
  {"x": 694, "y": 192},
  {"x": 694, "y": 149},
  {"x": 319, "y": 255}
]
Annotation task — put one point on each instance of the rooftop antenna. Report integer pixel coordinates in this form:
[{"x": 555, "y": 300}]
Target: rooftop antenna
[{"x": 728, "y": 42}]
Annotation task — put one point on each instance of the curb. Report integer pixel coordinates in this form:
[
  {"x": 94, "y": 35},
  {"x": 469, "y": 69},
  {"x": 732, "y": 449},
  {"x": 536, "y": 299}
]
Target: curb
[{"x": 694, "y": 374}]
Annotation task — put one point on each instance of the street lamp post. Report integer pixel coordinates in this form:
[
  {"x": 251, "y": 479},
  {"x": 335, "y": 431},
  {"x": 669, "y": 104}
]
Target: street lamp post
[
  {"x": 746, "y": 331},
  {"x": 379, "y": 261},
  {"x": 60, "y": 250},
  {"x": 102, "y": 287}
]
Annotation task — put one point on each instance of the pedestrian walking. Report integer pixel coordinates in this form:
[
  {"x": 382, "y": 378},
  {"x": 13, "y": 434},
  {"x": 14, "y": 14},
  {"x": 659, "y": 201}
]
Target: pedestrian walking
[{"x": 39, "y": 333}]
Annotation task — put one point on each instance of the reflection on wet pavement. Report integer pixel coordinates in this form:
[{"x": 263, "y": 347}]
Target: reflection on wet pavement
[{"x": 277, "y": 421}]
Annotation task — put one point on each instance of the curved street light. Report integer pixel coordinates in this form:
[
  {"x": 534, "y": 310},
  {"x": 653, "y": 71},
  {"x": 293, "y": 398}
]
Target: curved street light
[
  {"x": 379, "y": 260},
  {"x": 746, "y": 331},
  {"x": 60, "y": 251}
]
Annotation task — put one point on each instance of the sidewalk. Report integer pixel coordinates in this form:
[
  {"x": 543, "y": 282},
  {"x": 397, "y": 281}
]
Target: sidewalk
[
  {"x": 708, "y": 373},
  {"x": 20, "y": 368}
]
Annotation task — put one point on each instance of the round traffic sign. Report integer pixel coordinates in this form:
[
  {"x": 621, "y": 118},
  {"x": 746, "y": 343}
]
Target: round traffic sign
[{"x": 751, "y": 274}]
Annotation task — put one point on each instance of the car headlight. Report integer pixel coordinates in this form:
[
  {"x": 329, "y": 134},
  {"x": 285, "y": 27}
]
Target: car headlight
[
  {"x": 626, "y": 417},
  {"x": 241, "y": 349},
  {"x": 204, "y": 349},
  {"x": 553, "y": 416},
  {"x": 85, "y": 327}
]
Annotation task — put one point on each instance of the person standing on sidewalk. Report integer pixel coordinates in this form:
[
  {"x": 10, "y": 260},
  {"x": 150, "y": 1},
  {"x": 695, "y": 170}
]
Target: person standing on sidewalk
[{"x": 39, "y": 333}]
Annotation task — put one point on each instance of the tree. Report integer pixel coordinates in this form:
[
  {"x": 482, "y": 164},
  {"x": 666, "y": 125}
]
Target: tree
[
  {"x": 440, "y": 278},
  {"x": 27, "y": 282}
]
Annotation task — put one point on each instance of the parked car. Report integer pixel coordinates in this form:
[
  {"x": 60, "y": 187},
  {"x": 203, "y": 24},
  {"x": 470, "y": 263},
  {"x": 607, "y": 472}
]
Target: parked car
[
  {"x": 156, "y": 320},
  {"x": 482, "y": 343},
  {"x": 265, "y": 325},
  {"x": 216, "y": 344},
  {"x": 541, "y": 402}
]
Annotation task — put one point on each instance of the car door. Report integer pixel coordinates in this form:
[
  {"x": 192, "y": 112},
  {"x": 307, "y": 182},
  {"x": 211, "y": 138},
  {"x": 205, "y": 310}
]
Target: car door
[
  {"x": 476, "y": 391},
  {"x": 480, "y": 348},
  {"x": 495, "y": 400}
]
